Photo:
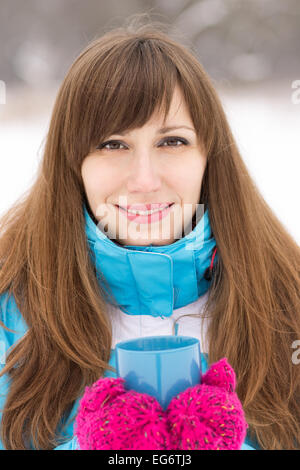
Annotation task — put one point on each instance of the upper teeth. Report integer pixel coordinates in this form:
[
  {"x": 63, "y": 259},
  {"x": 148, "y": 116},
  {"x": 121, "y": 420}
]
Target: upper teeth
[{"x": 145, "y": 212}]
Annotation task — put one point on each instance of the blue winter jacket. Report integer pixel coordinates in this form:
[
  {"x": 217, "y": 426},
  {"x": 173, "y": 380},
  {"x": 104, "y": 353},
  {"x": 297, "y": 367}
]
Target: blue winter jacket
[{"x": 125, "y": 324}]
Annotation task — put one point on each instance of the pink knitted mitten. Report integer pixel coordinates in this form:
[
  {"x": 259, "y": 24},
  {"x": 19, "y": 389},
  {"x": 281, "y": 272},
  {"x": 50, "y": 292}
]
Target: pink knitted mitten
[
  {"x": 111, "y": 417},
  {"x": 206, "y": 416}
]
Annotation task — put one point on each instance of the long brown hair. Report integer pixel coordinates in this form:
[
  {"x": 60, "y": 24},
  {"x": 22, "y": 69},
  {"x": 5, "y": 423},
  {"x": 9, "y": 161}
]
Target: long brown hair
[{"x": 117, "y": 83}]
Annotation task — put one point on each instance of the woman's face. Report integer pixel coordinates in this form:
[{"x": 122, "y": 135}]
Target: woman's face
[{"x": 146, "y": 166}]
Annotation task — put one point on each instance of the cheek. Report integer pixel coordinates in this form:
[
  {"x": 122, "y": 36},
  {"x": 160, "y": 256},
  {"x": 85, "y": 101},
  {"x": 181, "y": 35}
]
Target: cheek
[
  {"x": 98, "y": 179},
  {"x": 196, "y": 170},
  {"x": 187, "y": 177}
]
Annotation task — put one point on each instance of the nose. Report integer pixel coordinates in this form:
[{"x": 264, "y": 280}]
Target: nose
[{"x": 143, "y": 176}]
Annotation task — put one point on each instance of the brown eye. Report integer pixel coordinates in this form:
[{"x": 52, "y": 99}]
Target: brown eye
[
  {"x": 109, "y": 142},
  {"x": 174, "y": 139},
  {"x": 167, "y": 140}
]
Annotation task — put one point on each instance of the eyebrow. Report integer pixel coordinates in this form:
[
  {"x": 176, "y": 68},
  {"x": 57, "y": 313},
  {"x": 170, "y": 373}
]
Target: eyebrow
[{"x": 164, "y": 130}]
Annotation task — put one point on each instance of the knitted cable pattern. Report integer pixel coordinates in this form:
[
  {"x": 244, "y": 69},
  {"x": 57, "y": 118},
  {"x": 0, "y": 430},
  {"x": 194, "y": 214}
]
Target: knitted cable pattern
[{"x": 206, "y": 416}]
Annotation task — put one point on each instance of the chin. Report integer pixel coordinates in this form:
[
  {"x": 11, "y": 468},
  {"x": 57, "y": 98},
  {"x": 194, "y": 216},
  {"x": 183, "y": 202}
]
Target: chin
[{"x": 147, "y": 242}]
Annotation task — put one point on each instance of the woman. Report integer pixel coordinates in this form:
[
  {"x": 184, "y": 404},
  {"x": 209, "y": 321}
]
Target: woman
[{"x": 69, "y": 291}]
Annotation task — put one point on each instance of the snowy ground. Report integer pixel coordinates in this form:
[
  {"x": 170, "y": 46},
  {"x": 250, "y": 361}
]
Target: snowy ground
[{"x": 265, "y": 122}]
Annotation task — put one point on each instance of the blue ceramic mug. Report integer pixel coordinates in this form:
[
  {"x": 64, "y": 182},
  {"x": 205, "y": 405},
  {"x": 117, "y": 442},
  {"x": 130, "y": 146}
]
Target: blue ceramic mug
[{"x": 161, "y": 366}]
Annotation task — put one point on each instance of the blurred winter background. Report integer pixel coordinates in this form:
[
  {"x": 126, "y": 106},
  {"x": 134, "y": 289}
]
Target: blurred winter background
[{"x": 250, "y": 49}]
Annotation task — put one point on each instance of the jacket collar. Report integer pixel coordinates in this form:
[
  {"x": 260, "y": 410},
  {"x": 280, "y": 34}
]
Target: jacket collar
[{"x": 152, "y": 280}]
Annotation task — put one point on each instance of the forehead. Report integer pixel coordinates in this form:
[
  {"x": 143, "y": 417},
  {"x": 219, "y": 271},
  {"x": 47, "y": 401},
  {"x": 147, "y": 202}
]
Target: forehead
[
  {"x": 178, "y": 106},
  {"x": 177, "y": 116}
]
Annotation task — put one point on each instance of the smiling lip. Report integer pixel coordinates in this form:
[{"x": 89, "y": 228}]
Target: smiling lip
[
  {"x": 146, "y": 207},
  {"x": 147, "y": 218}
]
